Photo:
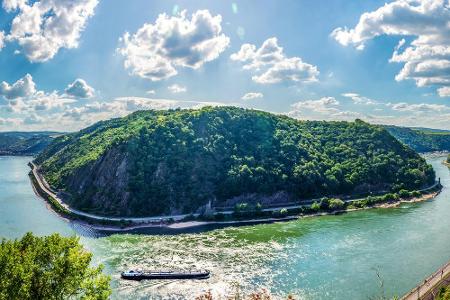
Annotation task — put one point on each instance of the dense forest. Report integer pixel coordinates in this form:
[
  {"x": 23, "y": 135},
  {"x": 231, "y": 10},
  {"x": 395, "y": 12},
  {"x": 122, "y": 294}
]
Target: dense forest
[
  {"x": 24, "y": 143},
  {"x": 422, "y": 139},
  {"x": 172, "y": 161}
]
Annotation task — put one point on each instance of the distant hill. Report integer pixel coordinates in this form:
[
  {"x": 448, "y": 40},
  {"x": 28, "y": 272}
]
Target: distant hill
[
  {"x": 422, "y": 139},
  {"x": 175, "y": 161},
  {"x": 25, "y": 143}
]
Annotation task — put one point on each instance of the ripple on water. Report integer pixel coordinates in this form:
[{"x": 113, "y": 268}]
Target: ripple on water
[{"x": 232, "y": 255}]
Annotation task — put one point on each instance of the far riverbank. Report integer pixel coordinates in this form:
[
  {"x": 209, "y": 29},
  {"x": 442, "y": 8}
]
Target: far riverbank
[{"x": 200, "y": 226}]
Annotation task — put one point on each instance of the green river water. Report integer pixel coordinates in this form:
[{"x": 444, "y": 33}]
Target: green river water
[{"x": 330, "y": 257}]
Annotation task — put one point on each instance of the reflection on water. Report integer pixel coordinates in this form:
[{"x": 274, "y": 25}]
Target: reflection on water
[{"x": 330, "y": 257}]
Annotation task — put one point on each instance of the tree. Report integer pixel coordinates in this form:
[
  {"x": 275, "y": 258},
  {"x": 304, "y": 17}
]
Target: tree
[
  {"x": 315, "y": 206},
  {"x": 51, "y": 267},
  {"x": 336, "y": 204}
]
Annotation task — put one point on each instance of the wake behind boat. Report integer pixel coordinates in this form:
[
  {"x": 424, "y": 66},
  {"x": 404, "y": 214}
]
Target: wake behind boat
[{"x": 140, "y": 275}]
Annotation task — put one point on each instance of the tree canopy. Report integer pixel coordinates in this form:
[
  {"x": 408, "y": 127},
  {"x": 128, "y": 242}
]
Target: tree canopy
[
  {"x": 178, "y": 160},
  {"x": 52, "y": 267},
  {"x": 25, "y": 143},
  {"x": 422, "y": 139}
]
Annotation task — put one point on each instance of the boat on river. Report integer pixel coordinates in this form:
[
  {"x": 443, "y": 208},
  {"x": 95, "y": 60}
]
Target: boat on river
[{"x": 140, "y": 275}]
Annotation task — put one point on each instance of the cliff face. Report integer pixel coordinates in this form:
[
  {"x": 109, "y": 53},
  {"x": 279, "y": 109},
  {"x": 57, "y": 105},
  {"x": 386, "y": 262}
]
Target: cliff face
[
  {"x": 95, "y": 184},
  {"x": 166, "y": 162}
]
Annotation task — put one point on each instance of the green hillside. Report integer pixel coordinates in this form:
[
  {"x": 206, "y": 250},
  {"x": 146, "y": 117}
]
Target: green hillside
[
  {"x": 422, "y": 139},
  {"x": 162, "y": 162},
  {"x": 24, "y": 143}
]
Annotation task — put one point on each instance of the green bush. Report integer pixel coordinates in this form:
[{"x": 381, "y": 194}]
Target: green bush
[
  {"x": 52, "y": 267},
  {"x": 336, "y": 204},
  {"x": 315, "y": 207},
  {"x": 416, "y": 194},
  {"x": 404, "y": 194},
  {"x": 390, "y": 197},
  {"x": 283, "y": 212},
  {"x": 241, "y": 208}
]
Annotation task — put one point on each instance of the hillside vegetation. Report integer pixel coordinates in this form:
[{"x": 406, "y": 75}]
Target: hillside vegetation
[
  {"x": 173, "y": 161},
  {"x": 422, "y": 139},
  {"x": 24, "y": 143}
]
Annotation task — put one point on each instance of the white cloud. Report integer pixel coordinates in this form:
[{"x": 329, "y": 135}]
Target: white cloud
[
  {"x": 418, "y": 108},
  {"x": 81, "y": 116},
  {"x": 11, "y": 5},
  {"x": 43, "y": 27},
  {"x": 34, "y": 119},
  {"x": 79, "y": 89},
  {"x": 13, "y": 122},
  {"x": 22, "y": 96},
  {"x": 156, "y": 50},
  {"x": 140, "y": 103},
  {"x": 398, "y": 113},
  {"x": 21, "y": 88},
  {"x": 444, "y": 91},
  {"x": 358, "y": 99},
  {"x": 151, "y": 92},
  {"x": 272, "y": 66},
  {"x": 427, "y": 59},
  {"x": 252, "y": 95},
  {"x": 2, "y": 39},
  {"x": 176, "y": 89},
  {"x": 46, "y": 101},
  {"x": 326, "y": 105},
  {"x": 112, "y": 109}
]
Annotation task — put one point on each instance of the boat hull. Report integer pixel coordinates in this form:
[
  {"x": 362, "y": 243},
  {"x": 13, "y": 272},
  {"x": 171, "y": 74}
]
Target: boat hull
[{"x": 167, "y": 276}]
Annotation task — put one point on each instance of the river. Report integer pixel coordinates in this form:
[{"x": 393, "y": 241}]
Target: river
[{"x": 357, "y": 255}]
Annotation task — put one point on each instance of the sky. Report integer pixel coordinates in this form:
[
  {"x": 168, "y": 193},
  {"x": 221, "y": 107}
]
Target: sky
[{"x": 65, "y": 64}]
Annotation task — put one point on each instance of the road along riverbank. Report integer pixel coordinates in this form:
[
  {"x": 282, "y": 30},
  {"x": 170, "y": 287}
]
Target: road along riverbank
[
  {"x": 193, "y": 222},
  {"x": 430, "y": 287}
]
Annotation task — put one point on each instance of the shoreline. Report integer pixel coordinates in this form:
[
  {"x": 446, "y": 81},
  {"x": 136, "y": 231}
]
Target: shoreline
[{"x": 180, "y": 226}]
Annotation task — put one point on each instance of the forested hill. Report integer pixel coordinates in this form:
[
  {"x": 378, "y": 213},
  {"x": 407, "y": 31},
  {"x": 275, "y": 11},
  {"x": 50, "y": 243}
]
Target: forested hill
[
  {"x": 161, "y": 162},
  {"x": 422, "y": 139},
  {"x": 24, "y": 143}
]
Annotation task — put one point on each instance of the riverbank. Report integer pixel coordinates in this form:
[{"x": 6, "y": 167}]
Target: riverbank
[
  {"x": 196, "y": 226},
  {"x": 404, "y": 244},
  {"x": 192, "y": 222}
]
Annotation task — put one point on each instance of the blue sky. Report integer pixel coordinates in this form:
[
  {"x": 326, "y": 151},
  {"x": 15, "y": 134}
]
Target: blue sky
[{"x": 80, "y": 61}]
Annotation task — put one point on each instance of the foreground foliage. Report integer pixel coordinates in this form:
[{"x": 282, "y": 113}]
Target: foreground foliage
[
  {"x": 179, "y": 160},
  {"x": 444, "y": 294},
  {"x": 52, "y": 267}
]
